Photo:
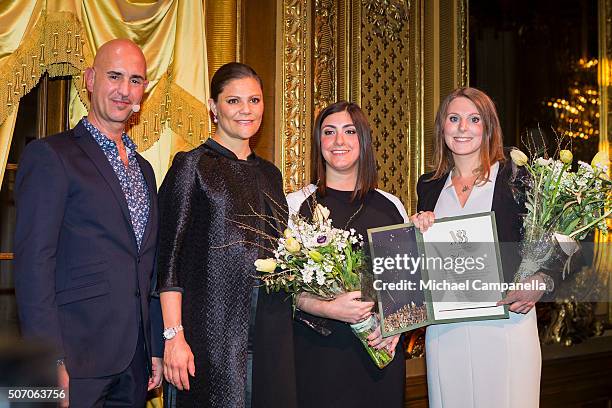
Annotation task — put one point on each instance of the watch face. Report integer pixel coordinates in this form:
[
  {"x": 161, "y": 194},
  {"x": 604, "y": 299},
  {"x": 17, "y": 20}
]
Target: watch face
[{"x": 169, "y": 333}]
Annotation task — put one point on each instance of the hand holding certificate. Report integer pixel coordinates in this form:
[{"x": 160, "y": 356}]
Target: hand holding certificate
[{"x": 450, "y": 273}]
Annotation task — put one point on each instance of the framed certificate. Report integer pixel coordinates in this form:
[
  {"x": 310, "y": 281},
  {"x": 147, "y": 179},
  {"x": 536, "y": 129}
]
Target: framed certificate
[{"x": 451, "y": 273}]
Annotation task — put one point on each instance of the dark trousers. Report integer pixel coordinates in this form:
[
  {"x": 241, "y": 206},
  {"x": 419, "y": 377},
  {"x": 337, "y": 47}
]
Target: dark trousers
[{"x": 126, "y": 389}]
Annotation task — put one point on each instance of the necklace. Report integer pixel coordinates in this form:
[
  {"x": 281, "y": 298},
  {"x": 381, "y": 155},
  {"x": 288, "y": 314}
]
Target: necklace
[{"x": 465, "y": 187}]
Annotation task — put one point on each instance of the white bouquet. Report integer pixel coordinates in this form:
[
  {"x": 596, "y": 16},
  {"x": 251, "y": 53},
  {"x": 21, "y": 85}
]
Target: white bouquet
[
  {"x": 563, "y": 206},
  {"x": 317, "y": 258}
]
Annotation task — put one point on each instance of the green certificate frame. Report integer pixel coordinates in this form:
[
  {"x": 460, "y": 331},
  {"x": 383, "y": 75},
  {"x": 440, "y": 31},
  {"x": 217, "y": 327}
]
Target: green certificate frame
[{"x": 411, "y": 303}]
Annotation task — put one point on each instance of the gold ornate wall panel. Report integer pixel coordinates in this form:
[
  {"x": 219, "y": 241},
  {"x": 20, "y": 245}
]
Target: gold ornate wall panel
[
  {"x": 453, "y": 45},
  {"x": 222, "y": 36},
  {"x": 294, "y": 90},
  {"x": 375, "y": 53},
  {"x": 324, "y": 61},
  {"x": 386, "y": 71}
]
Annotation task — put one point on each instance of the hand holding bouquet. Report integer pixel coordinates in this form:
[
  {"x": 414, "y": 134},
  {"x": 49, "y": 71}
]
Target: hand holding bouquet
[
  {"x": 562, "y": 206},
  {"x": 316, "y": 258}
]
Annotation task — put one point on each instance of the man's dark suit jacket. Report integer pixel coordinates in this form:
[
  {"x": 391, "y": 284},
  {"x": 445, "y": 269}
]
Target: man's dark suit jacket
[
  {"x": 81, "y": 282},
  {"x": 507, "y": 213}
]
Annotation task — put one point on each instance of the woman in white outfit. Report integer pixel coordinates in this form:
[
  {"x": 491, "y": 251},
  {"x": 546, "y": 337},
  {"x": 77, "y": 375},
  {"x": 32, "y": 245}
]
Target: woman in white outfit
[{"x": 493, "y": 363}]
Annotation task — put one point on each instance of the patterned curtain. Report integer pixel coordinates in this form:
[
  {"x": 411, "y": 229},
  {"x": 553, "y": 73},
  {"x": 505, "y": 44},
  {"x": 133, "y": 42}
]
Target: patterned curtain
[{"x": 59, "y": 37}]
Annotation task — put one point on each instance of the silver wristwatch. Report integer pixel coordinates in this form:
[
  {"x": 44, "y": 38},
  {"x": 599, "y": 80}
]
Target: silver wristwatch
[
  {"x": 170, "y": 332},
  {"x": 550, "y": 283}
]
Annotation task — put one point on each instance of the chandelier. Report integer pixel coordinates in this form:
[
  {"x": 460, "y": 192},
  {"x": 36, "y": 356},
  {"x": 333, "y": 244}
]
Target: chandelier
[{"x": 577, "y": 115}]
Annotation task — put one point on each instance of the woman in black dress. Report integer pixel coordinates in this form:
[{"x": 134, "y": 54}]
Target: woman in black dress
[
  {"x": 334, "y": 370},
  {"x": 227, "y": 343}
]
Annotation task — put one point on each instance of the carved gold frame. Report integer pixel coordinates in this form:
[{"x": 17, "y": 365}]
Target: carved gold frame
[
  {"x": 294, "y": 91},
  {"x": 326, "y": 50}
]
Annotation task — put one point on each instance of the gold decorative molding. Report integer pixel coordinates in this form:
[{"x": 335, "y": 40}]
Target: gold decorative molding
[
  {"x": 349, "y": 50},
  {"x": 387, "y": 17},
  {"x": 239, "y": 29},
  {"x": 294, "y": 90},
  {"x": 463, "y": 49},
  {"x": 324, "y": 61},
  {"x": 445, "y": 48}
]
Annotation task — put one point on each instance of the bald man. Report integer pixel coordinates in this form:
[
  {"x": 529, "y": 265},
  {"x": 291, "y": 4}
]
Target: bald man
[{"x": 85, "y": 243}]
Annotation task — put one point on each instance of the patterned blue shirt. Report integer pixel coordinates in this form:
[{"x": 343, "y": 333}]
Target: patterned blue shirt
[{"x": 131, "y": 179}]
